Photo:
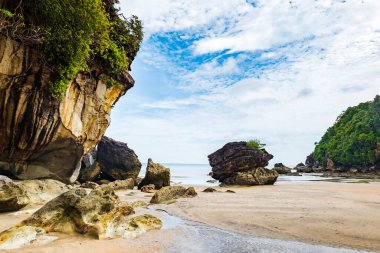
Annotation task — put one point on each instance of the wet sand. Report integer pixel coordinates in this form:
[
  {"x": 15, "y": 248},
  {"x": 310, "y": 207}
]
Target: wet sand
[
  {"x": 327, "y": 213},
  {"x": 341, "y": 215}
]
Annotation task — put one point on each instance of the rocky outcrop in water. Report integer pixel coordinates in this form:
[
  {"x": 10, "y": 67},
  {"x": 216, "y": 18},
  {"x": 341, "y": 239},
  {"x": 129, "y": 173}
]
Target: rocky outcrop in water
[
  {"x": 42, "y": 136},
  {"x": 281, "y": 169},
  {"x": 156, "y": 174},
  {"x": 237, "y": 163}
]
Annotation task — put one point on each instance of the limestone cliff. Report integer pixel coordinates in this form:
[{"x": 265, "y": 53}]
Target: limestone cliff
[{"x": 42, "y": 136}]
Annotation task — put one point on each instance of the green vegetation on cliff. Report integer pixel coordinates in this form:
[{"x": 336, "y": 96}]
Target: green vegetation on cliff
[
  {"x": 79, "y": 36},
  {"x": 354, "y": 139}
]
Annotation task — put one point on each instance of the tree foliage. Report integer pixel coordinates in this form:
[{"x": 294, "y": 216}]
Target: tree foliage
[
  {"x": 82, "y": 35},
  {"x": 355, "y": 137}
]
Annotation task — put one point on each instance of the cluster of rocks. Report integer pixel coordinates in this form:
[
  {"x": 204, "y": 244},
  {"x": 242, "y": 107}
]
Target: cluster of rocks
[
  {"x": 238, "y": 164},
  {"x": 99, "y": 214}
]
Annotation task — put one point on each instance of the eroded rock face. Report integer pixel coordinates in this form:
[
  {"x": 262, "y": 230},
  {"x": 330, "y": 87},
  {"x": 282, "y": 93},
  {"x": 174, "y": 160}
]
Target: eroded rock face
[
  {"x": 42, "y": 136},
  {"x": 169, "y": 193},
  {"x": 237, "y": 163},
  {"x": 156, "y": 174}
]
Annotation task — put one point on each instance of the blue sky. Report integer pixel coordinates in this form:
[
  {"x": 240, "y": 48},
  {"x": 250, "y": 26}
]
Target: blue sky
[{"x": 210, "y": 72}]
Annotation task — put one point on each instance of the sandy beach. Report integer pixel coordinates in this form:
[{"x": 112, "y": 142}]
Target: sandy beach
[
  {"x": 328, "y": 213},
  {"x": 342, "y": 215}
]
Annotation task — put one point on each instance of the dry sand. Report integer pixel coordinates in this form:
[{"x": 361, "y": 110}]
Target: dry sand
[
  {"x": 335, "y": 214},
  {"x": 328, "y": 213}
]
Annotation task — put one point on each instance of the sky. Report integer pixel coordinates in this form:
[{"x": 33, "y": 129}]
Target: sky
[{"x": 211, "y": 72}]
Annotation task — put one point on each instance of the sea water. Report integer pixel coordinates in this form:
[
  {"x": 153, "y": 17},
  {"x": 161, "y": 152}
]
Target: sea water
[{"x": 198, "y": 175}]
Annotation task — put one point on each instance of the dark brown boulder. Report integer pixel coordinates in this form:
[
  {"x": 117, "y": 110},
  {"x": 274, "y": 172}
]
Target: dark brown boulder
[
  {"x": 237, "y": 163},
  {"x": 116, "y": 160},
  {"x": 156, "y": 174}
]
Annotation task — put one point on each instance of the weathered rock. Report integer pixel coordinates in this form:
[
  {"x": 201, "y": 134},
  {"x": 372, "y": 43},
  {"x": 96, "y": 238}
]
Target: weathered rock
[
  {"x": 90, "y": 185},
  {"x": 12, "y": 197},
  {"x": 156, "y": 174},
  {"x": 99, "y": 214},
  {"x": 257, "y": 176},
  {"x": 17, "y": 237},
  {"x": 116, "y": 160},
  {"x": 126, "y": 184},
  {"x": 42, "y": 136},
  {"x": 43, "y": 190},
  {"x": 209, "y": 189},
  {"x": 281, "y": 169},
  {"x": 169, "y": 193},
  {"x": 150, "y": 188},
  {"x": 234, "y": 157},
  {"x": 230, "y": 191}
]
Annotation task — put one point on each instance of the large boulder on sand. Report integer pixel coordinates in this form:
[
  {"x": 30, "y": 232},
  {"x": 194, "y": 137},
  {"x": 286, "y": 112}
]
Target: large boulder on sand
[
  {"x": 237, "y": 163},
  {"x": 281, "y": 169},
  {"x": 12, "y": 197},
  {"x": 116, "y": 160},
  {"x": 169, "y": 193},
  {"x": 156, "y": 174}
]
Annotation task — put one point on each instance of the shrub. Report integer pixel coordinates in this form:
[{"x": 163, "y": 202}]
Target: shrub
[{"x": 255, "y": 143}]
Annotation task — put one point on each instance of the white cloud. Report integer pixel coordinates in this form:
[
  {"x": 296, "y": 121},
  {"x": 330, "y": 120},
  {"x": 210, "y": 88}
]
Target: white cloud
[{"x": 326, "y": 57}]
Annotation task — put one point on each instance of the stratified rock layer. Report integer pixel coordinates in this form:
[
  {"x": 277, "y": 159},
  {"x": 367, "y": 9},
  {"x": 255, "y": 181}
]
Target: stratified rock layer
[
  {"x": 237, "y": 163},
  {"x": 42, "y": 136}
]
